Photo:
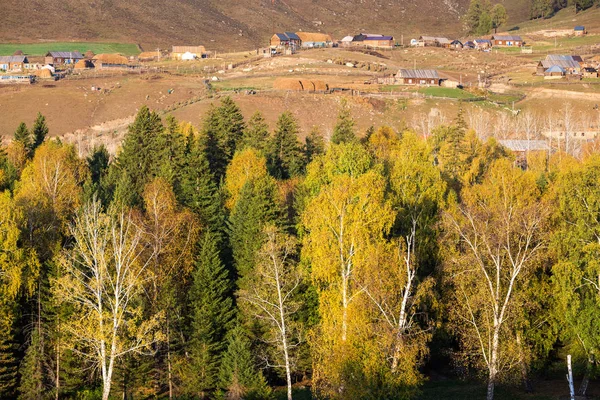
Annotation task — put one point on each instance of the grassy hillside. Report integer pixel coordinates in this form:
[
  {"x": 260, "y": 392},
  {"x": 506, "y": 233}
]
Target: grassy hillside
[
  {"x": 40, "y": 49},
  {"x": 228, "y": 24}
]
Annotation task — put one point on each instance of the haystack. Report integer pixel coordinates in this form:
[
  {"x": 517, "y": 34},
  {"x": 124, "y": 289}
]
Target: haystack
[
  {"x": 84, "y": 64},
  {"x": 115, "y": 59},
  {"x": 307, "y": 86},
  {"x": 314, "y": 37},
  {"x": 18, "y": 53},
  {"x": 89, "y": 55},
  {"x": 287, "y": 84},
  {"x": 44, "y": 73},
  {"x": 321, "y": 86}
]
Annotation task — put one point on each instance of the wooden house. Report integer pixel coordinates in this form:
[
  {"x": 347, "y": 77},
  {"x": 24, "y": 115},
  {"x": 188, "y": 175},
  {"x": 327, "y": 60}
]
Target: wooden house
[
  {"x": 13, "y": 63},
  {"x": 590, "y": 72},
  {"x": 579, "y": 30},
  {"x": 507, "y": 41},
  {"x": 286, "y": 40},
  {"x": 456, "y": 44},
  {"x": 570, "y": 64},
  {"x": 346, "y": 41},
  {"x": 63, "y": 57},
  {"x": 482, "y": 44},
  {"x": 310, "y": 40},
  {"x": 427, "y": 77},
  {"x": 370, "y": 40},
  {"x": 177, "y": 52},
  {"x": 555, "y": 72}
]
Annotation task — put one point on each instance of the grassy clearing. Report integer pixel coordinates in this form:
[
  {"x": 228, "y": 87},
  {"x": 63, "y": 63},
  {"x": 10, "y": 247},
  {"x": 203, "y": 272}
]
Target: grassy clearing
[
  {"x": 446, "y": 92},
  {"x": 505, "y": 98},
  {"x": 40, "y": 49}
]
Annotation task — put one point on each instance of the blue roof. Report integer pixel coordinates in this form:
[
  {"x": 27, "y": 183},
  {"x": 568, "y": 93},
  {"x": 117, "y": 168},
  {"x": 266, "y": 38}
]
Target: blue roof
[
  {"x": 482, "y": 41},
  {"x": 292, "y": 36},
  {"x": 580, "y": 28},
  {"x": 380, "y": 38},
  {"x": 556, "y": 68}
]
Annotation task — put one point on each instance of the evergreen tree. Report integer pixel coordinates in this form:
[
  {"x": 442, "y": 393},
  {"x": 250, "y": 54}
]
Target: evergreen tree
[
  {"x": 212, "y": 145},
  {"x": 212, "y": 313},
  {"x": 257, "y": 206},
  {"x": 284, "y": 155},
  {"x": 39, "y": 131},
  {"x": 23, "y": 136},
  {"x": 8, "y": 358},
  {"x": 98, "y": 163},
  {"x": 231, "y": 126},
  {"x": 172, "y": 160},
  {"x": 31, "y": 370},
  {"x": 344, "y": 129},
  {"x": 256, "y": 135},
  {"x": 140, "y": 157},
  {"x": 239, "y": 377},
  {"x": 314, "y": 144}
]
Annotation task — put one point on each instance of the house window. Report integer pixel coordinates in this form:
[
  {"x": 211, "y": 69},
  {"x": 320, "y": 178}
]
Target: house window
[{"x": 500, "y": 42}]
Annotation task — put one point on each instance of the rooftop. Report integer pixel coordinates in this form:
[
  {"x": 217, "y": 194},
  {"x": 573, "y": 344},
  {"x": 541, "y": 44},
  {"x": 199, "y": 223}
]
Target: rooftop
[{"x": 418, "y": 74}]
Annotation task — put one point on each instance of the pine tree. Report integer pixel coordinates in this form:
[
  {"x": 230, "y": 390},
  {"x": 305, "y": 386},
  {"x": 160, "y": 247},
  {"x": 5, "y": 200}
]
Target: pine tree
[
  {"x": 140, "y": 157},
  {"x": 39, "y": 131},
  {"x": 231, "y": 126},
  {"x": 212, "y": 313},
  {"x": 284, "y": 155},
  {"x": 256, "y": 134},
  {"x": 239, "y": 377},
  {"x": 172, "y": 159},
  {"x": 257, "y": 206},
  {"x": 344, "y": 129},
  {"x": 98, "y": 163},
  {"x": 8, "y": 359},
  {"x": 31, "y": 370},
  {"x": 23, "y": 136},
  {"x": 212, "y": 145},
  {"x": 314, "y": 144}
]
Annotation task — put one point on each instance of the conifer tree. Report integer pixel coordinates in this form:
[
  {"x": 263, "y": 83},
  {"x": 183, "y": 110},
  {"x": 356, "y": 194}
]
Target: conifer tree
[
  {"x": 257, "y": 206},
  {"x": 172, "y": 159},
  {"x": 239, "y": 377},
  {"x": 140, "y": 157},
  {"x": 31, "y": 370},
  {"x": 256, "y": 134},
  {"x": 344, "y": 129},
  {"x": 8, "y": 358},
  {"x": 97, "y": 162},
  {"x": 39, "y": 131},
  {"x": 211, "y": 143},
  {"x": 23, "y": 136},
  {"x": 231, "y": 126},
  {"x": 212, "y": 313},
  {"x": 284, "y": 154},
  {"x": 314, "y": 144}
]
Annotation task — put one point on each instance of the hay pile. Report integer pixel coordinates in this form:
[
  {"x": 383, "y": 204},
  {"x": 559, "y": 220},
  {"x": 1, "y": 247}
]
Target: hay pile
[
  {"x": 89, "y": 55},
  {"x": 84, "y": 64},
  {"x": 111, "y": 59},
  {"x": 314, "y": 37},
  {"x": 44, "y": 73},
  {"x": 299, "y": 85}
]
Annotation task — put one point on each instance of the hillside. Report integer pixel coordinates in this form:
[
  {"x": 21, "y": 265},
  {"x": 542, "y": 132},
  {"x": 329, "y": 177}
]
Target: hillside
[{"x": 226, "y": 24}]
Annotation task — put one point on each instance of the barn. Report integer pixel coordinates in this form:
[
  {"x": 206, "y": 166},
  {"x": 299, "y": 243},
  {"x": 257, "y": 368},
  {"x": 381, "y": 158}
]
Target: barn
[
  {"x": 569, "y": 64},
  {"x": 429, "y": 77},
  {"x": 13, "y": 63},
  {"x": 286, "y": 40},
  {"x": 310, "y": 40},
  {"x": 197, "y": 51},
  {"x": 482, "y": 44},
  {"x": 373, "y": 40},
  {"x": 507, "y": 41},
  {"x": 63, "y": 57}
]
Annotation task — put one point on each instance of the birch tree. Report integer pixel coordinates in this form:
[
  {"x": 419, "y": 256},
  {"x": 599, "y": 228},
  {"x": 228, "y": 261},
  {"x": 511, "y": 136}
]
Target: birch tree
[
  {"x": 272, "y": 296},
  {"x": 496, "y": 237},
  {"x": 103, "y": 279}
]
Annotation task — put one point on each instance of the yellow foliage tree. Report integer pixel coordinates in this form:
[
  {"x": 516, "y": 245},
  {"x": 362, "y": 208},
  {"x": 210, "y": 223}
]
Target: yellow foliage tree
[{"x": 245, "y": 166}]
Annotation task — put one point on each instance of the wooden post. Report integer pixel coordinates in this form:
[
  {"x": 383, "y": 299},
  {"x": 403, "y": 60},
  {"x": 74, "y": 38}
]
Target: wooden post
[{"x": 570, "y": 378}]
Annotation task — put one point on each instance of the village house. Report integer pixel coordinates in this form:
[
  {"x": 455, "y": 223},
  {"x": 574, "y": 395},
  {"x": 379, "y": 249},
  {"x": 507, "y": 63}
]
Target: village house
[
  {"x": 178, "y": 52},
  {"x": 63, "y": 57},
  {"x": 346, "y": 41},
  {"x": 555, "y": 72},
  {"x": 523, "y": 148},
  {"x": 13, "y": 63},
  {"x": 482, "y": 44},
  {"x": 370, "y": 40},
  {"x": 311, "y": 40},
  {"x": 570, "y": 65},
  {"x": 579, "y": 30},
  {"x": 456, "y": 44},
  {"x": 434, "y": 41},
  {"x": 427, "y": 77},
  {"x": 469, "y": 44},
  {"x": 286, "y": 41},
  {"x": 590, "y": 72},
  {"x": 507, "y": 41},
  {"x": 27, "y": 79}
]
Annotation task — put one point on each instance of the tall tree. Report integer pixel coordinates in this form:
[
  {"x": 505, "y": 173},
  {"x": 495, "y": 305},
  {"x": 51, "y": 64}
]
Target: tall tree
[
  {"x": 314, "y": 144},
  {"x": 32, "y": 371},
  {"x": 103, "y": 280},
  {"x": 39, "y": 131},
  {"x": 344, "y": 131},
  {"x": 499, "y": 16},
  {"x": 23, "y": 136},
  {"x": 498, "y": 233},
  {"x": 284, "y": 153},
  {"x": 272, "y": 296},
  {"x": 256, "y": 134},
  {"x": 246, "y": 166}
]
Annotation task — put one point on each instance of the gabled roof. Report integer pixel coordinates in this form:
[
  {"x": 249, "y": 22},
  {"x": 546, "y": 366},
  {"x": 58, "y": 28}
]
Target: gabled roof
[
  {"x": 348, "y": 38},
  {"x": 13, "y": 59},
  {"x": 456, "y": 41},
  {"x": 507, "y": 37},
  {"x": 418, "y": 74},
  {"x": 478, "y": 41},
  {"x": 292, "y": 36},
  {"x": 314, "y": 37},
  {"x": 75, "y": 55},
  {"x": 579, "y": 28},
  {"x": 571, "y": 64},
  {"x": 556, "y": 68},
  {"x": 525, "y": 145}
]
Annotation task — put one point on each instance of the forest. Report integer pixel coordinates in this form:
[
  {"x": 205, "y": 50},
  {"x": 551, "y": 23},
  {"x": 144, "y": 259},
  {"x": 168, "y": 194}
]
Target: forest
[{"x": 223, "y": 260}]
